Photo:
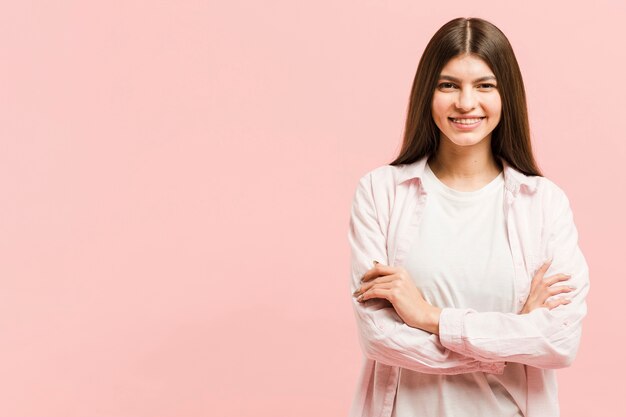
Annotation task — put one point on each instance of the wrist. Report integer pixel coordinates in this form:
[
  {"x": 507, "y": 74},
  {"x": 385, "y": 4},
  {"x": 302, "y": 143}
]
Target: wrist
[
  {"x": 428, "y": 318},
  {"x": 431, "y": 323}
]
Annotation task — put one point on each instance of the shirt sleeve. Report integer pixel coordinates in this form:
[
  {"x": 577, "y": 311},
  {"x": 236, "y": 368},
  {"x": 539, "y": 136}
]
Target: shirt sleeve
[
  {"x": 383, "y": 335},
  {"x": 543, "y": 338}
]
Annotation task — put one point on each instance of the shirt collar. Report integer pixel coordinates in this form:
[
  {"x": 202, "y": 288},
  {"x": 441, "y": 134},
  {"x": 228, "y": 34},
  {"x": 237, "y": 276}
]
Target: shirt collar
[{"x": 514, "y": 180}]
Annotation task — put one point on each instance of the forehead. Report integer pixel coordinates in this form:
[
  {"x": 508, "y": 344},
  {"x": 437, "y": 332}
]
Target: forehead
[{"x": 466, "y": 66}]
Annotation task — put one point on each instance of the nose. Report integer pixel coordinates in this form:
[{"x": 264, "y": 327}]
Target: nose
[{"x": 466, "y": 99}]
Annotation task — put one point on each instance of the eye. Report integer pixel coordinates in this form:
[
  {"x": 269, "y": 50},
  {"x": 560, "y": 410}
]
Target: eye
[
  {"x": 487, "y": 85},
  {"x": 445, "y": 85}
]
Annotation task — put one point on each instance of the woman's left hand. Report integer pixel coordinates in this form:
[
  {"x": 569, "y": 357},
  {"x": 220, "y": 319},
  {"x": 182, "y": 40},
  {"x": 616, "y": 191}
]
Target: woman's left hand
[{"x": 395, "y": 285}]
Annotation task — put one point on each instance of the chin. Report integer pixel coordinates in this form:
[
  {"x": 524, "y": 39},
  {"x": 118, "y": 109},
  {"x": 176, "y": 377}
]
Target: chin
[{"x": 467, "y": 140}]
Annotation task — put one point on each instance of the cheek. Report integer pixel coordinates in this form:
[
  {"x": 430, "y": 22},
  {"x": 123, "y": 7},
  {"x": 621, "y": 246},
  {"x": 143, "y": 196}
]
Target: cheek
[
  {"x": 497, "y": 111},
  {"x": 495, "y": 106},
  {"x": 438, "y": 108}
]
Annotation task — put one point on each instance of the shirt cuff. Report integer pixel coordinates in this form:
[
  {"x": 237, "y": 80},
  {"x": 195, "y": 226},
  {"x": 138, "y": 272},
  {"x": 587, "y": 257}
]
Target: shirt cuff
[
  {"x": 451, "y": 328},
  {"x": 451, "y": 336}
]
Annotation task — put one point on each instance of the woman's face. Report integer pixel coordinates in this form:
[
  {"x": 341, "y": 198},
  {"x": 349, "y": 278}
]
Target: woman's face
[{"x": 466, "y": 104}]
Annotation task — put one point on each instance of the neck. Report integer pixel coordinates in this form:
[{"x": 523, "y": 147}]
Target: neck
[{"x": 464, "y": 167}]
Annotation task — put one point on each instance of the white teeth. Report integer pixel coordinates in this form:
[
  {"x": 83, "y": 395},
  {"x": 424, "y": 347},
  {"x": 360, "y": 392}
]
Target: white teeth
[{"x": 466, "y": 121}]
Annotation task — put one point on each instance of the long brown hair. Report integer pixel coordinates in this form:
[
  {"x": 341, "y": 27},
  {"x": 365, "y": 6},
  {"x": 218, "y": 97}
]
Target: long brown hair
[{"x": 510, "y": 139}]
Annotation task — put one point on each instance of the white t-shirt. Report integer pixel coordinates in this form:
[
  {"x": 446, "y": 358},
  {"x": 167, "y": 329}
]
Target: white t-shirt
[{"x": 461, "y": 258}]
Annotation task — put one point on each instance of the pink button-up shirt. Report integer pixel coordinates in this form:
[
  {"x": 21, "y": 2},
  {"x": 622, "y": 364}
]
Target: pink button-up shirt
[{"x": 386, "y": 211}]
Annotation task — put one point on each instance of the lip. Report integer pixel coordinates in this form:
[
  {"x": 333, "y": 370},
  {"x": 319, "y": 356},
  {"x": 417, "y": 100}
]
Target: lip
[{"x": 460, "y": 126}]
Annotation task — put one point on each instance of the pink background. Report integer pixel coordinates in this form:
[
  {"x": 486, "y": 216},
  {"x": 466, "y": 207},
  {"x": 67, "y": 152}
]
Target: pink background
[{"x": 176, "y": 176}]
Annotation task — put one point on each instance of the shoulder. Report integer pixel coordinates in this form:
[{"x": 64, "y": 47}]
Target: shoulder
[
  {"x": 551, "y": 191},
  {"x": 383, "y": 173},
  {"x": 377, "y": 188},
  {"x": 380, "y": 179},
  {"x": 538, "y": 196},
  {"x": 533, "y": 188},
  {"x": 551, "y": 197}
]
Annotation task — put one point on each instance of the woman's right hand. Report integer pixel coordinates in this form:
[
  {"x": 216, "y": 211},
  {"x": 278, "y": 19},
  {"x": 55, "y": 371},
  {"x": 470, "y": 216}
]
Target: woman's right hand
[{"x": 541, "y": 289}]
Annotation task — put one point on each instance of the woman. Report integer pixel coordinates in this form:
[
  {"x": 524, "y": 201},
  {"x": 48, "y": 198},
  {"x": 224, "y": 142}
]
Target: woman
[{"x": 469, "y": 284}]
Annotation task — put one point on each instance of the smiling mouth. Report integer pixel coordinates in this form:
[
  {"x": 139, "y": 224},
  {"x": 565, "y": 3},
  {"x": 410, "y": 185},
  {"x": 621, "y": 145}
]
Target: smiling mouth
[{"x": 466, "y": 121}]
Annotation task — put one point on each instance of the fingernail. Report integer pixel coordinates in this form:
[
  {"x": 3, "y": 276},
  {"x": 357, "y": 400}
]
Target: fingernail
[
  {"x": 548, "y": 261},
  {"x": 360, "y": 298},
  {"x": 356, "y": 292}
]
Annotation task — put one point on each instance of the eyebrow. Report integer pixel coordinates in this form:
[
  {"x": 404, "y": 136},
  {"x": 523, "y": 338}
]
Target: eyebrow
[{"x": 451, "y": 78}]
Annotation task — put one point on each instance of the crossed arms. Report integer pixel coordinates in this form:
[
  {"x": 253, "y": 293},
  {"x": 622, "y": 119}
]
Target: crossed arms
[{"x": 468, "y": 340}]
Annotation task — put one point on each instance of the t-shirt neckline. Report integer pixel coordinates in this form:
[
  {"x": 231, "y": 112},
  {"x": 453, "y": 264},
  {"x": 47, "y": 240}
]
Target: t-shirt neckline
[{"x": 447, "y": 191}]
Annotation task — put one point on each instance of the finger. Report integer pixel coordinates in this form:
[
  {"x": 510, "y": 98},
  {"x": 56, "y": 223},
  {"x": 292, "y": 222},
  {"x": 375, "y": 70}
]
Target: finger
[
  {"x": 555, "y": 303},
  {"x": 556, "y": 278},
  {"x": 538, "y": 277},
  {"x": 377, "y": 271},
  {"x": 380, "y": 285},
  {"x": 367, "y": 285},
  {"x": 375, "y": 293},
  {"x": 558, "y": 289},
  {"x": 543, "y": 268}
]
